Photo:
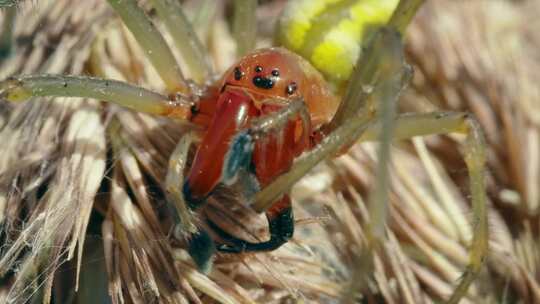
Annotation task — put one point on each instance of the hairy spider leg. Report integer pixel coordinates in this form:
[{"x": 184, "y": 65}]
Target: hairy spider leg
[
  {"x": 157, "y": 51},
  {"x": 175, "y": 176}
]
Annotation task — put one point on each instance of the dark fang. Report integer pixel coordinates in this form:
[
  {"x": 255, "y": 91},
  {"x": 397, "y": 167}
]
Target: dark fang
[
  {"x": 201, "y": 247},
  {"x": 258, "y": 69},
  {"x": 291, "y": 88},
  {"x": 238, "y": 74},
  {"x": 263, "y": 83},
  {"x": 275, "y": 73},
  {"x": 192, "y": 202}
]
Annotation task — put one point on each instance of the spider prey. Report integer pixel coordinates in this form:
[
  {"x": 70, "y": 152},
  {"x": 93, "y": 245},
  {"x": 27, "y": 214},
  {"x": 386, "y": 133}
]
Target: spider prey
[{"x": 269, "y": 120}]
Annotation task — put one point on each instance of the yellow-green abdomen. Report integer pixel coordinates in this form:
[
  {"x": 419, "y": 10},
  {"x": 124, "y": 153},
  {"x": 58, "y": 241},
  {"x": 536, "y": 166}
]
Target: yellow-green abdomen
[{"x": 330, "y": 33}]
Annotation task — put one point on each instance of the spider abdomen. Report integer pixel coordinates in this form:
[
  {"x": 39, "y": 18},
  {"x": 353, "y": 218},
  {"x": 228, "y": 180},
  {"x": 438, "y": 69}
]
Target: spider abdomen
[{"x": 329, "y": 33}]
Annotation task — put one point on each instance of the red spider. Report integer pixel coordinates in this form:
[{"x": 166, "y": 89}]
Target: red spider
[{"x": 262, "y": 84}]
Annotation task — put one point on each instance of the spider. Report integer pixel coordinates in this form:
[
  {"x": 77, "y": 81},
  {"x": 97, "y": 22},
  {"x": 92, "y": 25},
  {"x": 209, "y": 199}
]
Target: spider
[{"x": 269, "y": 120}]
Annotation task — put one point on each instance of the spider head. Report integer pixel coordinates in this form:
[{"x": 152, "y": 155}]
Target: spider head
[
  {"x": 278, "y": 74},
  {"x": 267, "y": 73}
]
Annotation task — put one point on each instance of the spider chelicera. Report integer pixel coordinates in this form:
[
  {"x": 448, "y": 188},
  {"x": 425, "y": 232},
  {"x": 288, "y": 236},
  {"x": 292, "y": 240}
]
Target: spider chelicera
[{"x": 269, "y": 120}]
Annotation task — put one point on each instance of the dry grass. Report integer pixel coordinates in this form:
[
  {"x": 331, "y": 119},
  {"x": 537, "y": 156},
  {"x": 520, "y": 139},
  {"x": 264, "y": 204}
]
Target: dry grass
[{"x": 81, "y": 183}]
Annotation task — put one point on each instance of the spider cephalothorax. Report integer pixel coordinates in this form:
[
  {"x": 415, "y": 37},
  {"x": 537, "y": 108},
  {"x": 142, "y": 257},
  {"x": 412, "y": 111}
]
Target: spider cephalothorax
[{"x": 260, "y": 84}]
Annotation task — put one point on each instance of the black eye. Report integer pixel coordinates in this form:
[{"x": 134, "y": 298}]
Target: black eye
[
  {"x": 258, "y": 69},
  {"x": 275, "y": 73},
  {"x": 263, "y": 83},
  {"x": 238, "y": 74},
  {"x": 291, "y": 88}
]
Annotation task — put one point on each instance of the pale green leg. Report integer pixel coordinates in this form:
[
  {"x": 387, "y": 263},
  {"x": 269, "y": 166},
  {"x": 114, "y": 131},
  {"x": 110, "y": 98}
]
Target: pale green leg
[
  {"x": 121, "y": 93},
  {"x": 185, "y": 39},
  {"x": 411, "y": 125},
  {"x": 200, "y": 245},
  {"x": 153, "y": 44},
  {"x": 204, "y": 15},
  {"x": 395, "y": 76},
  {"x": 6, "y": 35},
  {"x": 417, "y": 124},
  {"x": 174, "y": 182},
  {"x": 245, "y": 25},
  {"x": 364, "y": 79},
  {"x": 475, "y": 158},
  {"x": 404, "y": 13},
  {"x": 277, "y": 120}
]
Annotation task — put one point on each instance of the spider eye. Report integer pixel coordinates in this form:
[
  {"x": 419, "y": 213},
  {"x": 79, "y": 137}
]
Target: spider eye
[
  {"x": 291, "y": 88},
  {"x": 263, "y": 83},
  {"x": 258, "y": 69},
  {"x": 275, "y": 73},
  {"x": 238, "y": 74}
]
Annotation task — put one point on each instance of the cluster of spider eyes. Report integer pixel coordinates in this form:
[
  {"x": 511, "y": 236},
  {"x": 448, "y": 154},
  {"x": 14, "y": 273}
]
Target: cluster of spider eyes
[{"x": 263, "y": 82}]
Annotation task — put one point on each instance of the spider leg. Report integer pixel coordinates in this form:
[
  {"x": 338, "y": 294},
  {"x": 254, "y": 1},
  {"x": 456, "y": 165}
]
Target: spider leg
[
  {"x": 410, "y": 125},
  {"x": 281, "y": 227},
  {"x": 200, "y": 246},
  {"x": 121, "y": 93},
  {"x": 6, "y": 34},
  {"x": 185, "y": 39},
  {"x": 153, "y": 44},
  {"x": 245, "y": 25},
  {"x": 174, "y": 178}
]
